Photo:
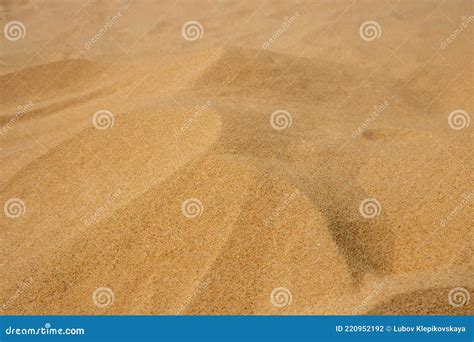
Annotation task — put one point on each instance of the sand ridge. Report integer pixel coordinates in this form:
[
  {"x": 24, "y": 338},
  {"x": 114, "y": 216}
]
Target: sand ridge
[{"x": 158, "y": 174}]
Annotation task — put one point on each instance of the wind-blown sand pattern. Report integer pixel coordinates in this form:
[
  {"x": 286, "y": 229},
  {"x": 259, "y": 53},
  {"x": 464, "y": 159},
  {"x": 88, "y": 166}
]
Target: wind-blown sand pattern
[{"x": 221, "y": 157}]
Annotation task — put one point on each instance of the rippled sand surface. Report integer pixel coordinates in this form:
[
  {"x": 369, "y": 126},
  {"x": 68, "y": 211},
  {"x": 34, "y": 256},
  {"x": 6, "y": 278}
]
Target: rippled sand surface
[{"x": 223, "y": 157}]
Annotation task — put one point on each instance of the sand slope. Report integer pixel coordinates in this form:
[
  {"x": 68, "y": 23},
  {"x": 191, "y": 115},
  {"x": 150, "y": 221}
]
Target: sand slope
[{"x": 280, "y": 209}]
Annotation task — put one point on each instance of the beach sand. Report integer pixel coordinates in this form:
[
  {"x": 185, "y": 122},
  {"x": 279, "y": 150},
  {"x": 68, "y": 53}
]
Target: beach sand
[{"x": 236, "y": 157}]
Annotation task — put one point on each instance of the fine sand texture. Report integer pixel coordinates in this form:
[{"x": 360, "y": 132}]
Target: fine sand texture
[{"x": 236, "y": 157}]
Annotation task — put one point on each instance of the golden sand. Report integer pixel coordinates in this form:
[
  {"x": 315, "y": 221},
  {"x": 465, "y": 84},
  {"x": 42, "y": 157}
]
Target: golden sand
[{"x": 222, "y": 157}]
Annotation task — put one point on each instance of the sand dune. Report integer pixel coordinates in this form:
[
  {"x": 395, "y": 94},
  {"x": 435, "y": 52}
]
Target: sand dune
[{"x": 152, "y": 176}]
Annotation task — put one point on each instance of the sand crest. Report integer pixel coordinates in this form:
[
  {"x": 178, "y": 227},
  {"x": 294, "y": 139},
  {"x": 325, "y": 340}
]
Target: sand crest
[{"x": 271, "y": 159}]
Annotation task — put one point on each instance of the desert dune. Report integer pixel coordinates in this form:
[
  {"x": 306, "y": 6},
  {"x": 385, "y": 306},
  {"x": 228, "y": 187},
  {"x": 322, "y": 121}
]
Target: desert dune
[{"x": 224, "y": 157}]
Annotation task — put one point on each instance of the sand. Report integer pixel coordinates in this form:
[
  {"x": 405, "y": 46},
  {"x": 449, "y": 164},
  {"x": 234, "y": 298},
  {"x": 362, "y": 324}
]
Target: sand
[{"x": 275, "y": 158}]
